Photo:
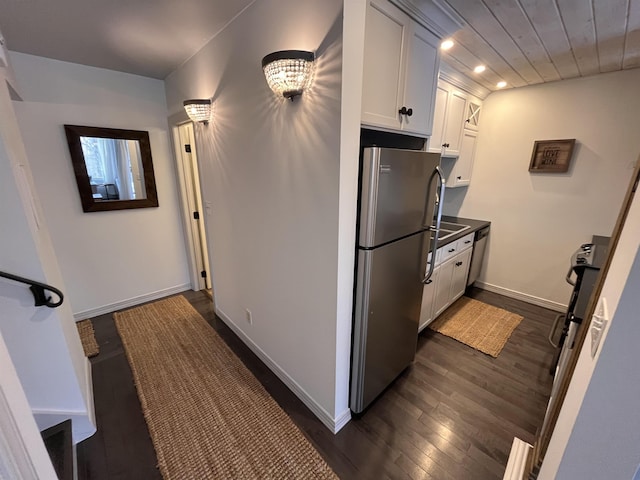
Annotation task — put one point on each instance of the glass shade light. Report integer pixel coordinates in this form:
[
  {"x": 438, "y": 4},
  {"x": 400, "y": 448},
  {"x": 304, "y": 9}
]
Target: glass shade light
[
  {"x": 199, "y": 110},
  {"x": 289, "y": 72}
]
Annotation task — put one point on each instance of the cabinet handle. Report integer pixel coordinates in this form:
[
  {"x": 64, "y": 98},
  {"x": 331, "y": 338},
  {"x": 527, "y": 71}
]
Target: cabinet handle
[
  {"x": 451, "y": 250},
  {"x": 468, "y": 241},
  {"x": 406, "y": 111},
  {"x": 458, "y": 178},
  {"x": 458, "y": 264},
  {"x": 445, "y": 145}
]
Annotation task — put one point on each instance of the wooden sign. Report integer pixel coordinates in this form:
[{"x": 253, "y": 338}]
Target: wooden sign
[{"x": 551, "y": 156}]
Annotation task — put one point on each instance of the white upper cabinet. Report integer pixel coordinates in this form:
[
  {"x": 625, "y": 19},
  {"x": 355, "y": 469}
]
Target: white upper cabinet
[
  {"x": 448, "y": 120},
  {"x": 401, "y": 61},
  {"x": 455, "y": 129},
  {"x": 473, "y": 114},
  {"x": 458, "y": 171},
  {"x": 464, "y": 164},
  {"x": 421, "y": 80}
]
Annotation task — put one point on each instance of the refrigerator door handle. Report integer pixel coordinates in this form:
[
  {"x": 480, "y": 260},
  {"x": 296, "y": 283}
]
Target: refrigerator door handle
[{"x": 436, "y": 230}]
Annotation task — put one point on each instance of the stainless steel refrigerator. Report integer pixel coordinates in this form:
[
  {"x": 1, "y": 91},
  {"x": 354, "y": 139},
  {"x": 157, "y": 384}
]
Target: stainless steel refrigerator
[{"x": 398, "y": 213}]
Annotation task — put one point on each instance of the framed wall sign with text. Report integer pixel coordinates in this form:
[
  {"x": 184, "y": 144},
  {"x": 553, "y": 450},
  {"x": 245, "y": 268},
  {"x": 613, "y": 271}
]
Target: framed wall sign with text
[{"x": 551, "y": 156}]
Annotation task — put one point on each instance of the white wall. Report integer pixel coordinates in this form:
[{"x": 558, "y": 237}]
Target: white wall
[
  {"x": 43, "y": 343},
  {"x": 270, "y": 178},
  {"x": 538, "y": 220},
  {"x": 598, "y": 429},
  {"x": 108, "y": 259},
  {"x": 354, "y": 18},
  {"x": 22, "y": 451}
]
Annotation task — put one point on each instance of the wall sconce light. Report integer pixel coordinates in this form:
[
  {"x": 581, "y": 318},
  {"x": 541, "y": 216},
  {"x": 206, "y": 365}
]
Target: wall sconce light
[
  {"x": 199, "y": 110},
  {"x": 289, "y": 72}
]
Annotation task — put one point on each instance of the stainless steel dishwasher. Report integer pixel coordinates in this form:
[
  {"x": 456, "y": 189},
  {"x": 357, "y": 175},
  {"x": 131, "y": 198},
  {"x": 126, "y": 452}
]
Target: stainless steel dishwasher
[{"x": 479, "y": 245}]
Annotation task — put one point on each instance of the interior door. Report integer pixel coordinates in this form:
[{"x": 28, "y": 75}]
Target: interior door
[{"x": 193, "y": 197}]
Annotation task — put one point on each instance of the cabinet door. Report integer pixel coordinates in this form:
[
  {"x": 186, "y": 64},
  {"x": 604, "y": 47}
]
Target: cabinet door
[
  {"x": 384, "y": 62},
  {"x": 428, "y": 296},
  {"x": 439, "y": 112},
  {"x": 464, "y": 165},
  {"x": 461, "y": 263},
  {"x": 454, "y": 123},
  {"x": 423, "y": 62},
  {"x": 442, "y": 296},
  {"x": 473, "y": 114}
]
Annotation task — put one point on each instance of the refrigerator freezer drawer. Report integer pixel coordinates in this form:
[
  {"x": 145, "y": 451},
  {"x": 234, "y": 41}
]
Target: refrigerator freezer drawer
[{"x": 388, "y": 300}]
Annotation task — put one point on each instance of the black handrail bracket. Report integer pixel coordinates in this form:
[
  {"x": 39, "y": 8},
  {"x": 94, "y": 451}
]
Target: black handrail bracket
[{"x": 38, "y": 290}]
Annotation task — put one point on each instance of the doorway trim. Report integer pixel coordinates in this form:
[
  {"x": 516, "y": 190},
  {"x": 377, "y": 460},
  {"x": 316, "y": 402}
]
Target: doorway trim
[{"x": 190, "y": 203}]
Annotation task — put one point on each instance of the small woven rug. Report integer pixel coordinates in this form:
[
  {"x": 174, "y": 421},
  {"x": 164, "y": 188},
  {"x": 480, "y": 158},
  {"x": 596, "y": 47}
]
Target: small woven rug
[
  {"x": 208, "y": 416},
  {"x": 474, "y": 323},
  {"x": 88, "y": 338}
]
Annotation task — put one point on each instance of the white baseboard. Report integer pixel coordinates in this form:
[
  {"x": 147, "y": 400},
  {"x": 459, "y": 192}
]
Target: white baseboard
[
  {"x": 341, "y": 420},
  {"x": 333, "y": 424},
  {"x": 91, "y": 410},
  {"x": 525, "y": 297},
  {"x": 131, "y": 302},
  {"x": 517, "y": 460}
]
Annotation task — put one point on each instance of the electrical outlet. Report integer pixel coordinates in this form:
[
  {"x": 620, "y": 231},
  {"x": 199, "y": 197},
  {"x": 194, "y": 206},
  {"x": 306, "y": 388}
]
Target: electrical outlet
[{"x": 248, "y": 315}]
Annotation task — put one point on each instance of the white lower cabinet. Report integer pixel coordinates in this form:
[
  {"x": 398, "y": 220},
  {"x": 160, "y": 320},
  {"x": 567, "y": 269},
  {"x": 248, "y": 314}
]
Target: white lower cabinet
[
  {"x": 448, "y": 282},
  {"x": 428, "y": 294},
  {"x": 443, "y": 290},
  {"x": 460, "y": 274}
]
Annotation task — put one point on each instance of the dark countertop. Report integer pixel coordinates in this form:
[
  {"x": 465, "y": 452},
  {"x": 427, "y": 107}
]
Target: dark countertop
[{"x": 474, "y": 225}]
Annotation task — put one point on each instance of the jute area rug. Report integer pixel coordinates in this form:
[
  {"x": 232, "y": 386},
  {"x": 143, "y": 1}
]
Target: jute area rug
[
  {"x": 208, "y": 416},
  {"x": 474, "y": 323},
  {"x": 88, "y": 338}
]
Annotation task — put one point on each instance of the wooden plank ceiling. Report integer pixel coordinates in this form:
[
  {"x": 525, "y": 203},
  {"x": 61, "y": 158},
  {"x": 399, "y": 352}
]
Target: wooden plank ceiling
[{"x": 525, "y": 42}]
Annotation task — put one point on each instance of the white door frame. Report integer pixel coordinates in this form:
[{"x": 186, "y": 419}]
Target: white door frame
[
  {"x": 191, "y": 201},
  {"x": 22, "y": 451}
]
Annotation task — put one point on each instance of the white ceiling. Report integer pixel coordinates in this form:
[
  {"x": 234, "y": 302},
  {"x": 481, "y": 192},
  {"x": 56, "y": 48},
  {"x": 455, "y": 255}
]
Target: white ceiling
[
  {"x": 145, "y": 37},
  {"x": 523, "y": 42}
]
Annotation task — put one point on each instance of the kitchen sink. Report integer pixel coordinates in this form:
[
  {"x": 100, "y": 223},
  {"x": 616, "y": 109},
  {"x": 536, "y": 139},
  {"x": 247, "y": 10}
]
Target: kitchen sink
[{"x": 448, "y": 229}]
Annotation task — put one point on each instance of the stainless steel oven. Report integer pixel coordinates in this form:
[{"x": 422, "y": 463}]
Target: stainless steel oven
[{"x": 583, "y": 273}]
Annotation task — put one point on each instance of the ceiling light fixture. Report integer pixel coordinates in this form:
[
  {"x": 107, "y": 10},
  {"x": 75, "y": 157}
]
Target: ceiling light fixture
[
  {"x": 501, "y": 84},
  {"x": 199, "y": 110},
  {"x": 289, "y": 72},
  {"x": 480, "y": 69},
  {"x": 447, "y": 44}
]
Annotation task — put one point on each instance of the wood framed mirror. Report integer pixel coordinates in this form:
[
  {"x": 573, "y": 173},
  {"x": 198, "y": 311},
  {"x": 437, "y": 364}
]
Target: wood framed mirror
[{"x": 113, "y": 168}]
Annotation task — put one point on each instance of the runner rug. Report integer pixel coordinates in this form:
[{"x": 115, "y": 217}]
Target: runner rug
[
  {"x": 474, "y": 323},
  {"x": 88, "y": 338},
  {"x": 208, "y": 416}
]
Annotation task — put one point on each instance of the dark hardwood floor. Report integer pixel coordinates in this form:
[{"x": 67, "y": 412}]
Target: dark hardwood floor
[{"x": 451, "y": 415}]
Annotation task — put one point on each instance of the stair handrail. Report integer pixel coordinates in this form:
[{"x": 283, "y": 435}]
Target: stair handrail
[{"x": 38, "y": 290}]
